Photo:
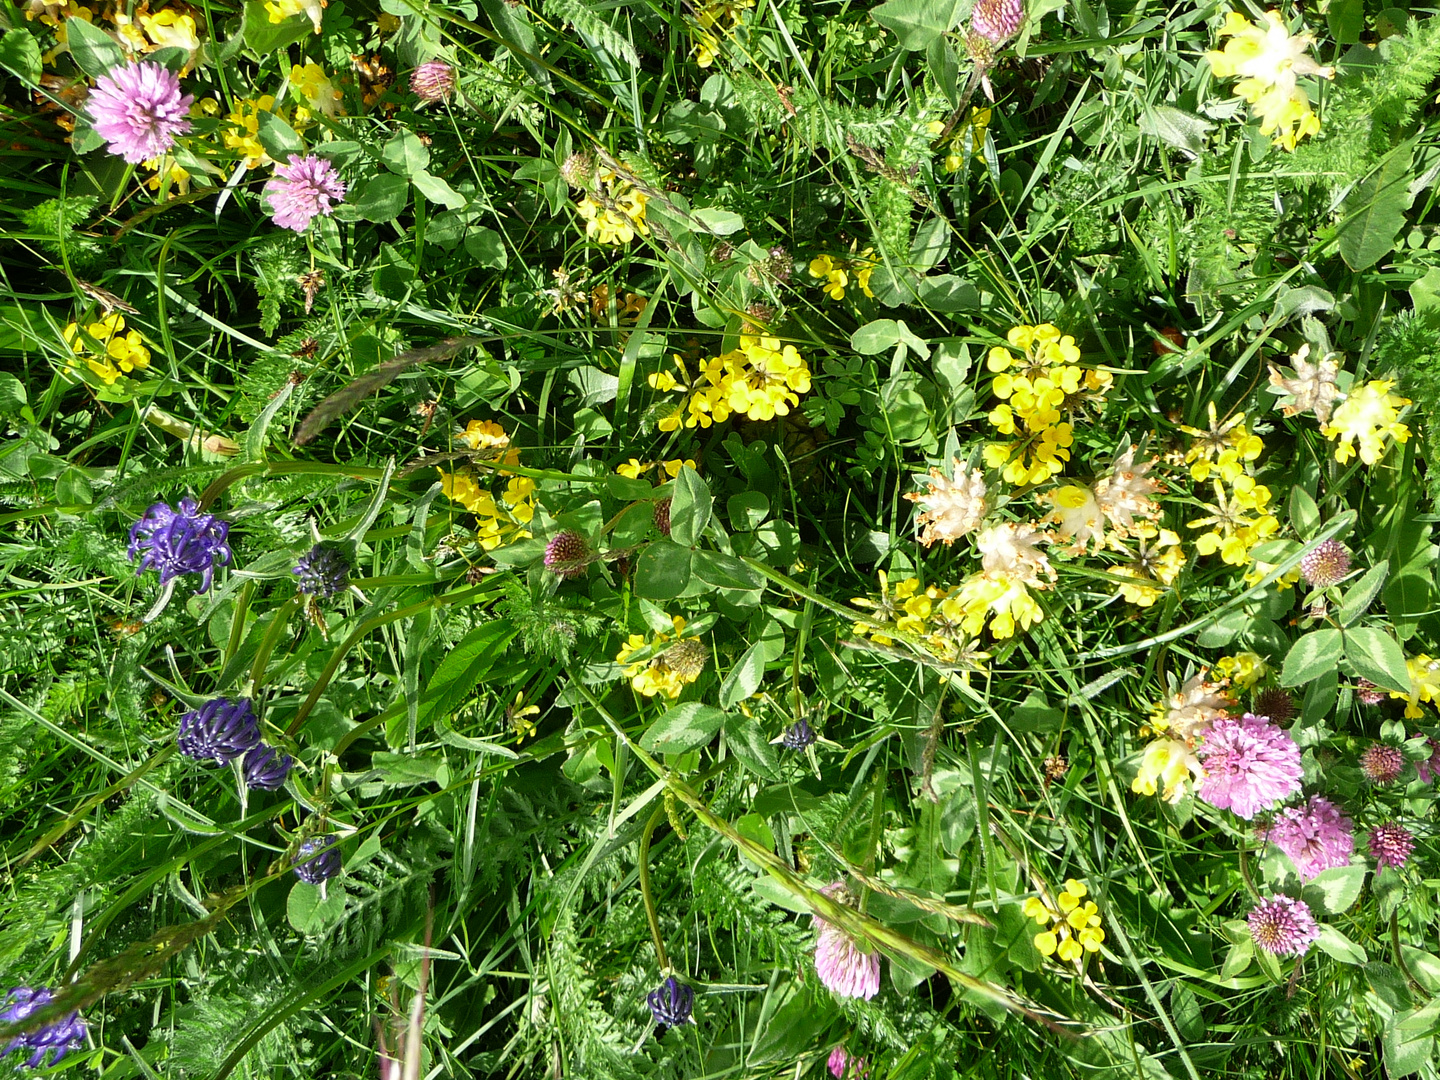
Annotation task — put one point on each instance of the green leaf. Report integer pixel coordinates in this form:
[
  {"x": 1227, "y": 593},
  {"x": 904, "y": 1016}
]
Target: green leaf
[
  {"x": 307, "y": 911},
  {"x": 1375, "y": 212},
  {"x": 279, "y": 138},
  {"x": 1408, "y": 597},
  {"x": 746, "y": 511},
  {"x": 1333, "y": 943},
  {"x": 875, "y": 337},
  {"x": 513, "y": 26},
  {"x": 1389, "y": 984},
  {"x": 918, "y": 23},
  {"x": 1304, "y": 514},
  {"x": 1314, "y": 654},
  {"x": 438, "y": 191},
  {"x": 1405, "y": 1055},
  {"x": 12, "y": 394},
  {"x": 486, "y": 247},
  {"x": 463, "y": 668},
  {"x": 725, "y": 572},
  {"x": 662, "y": 571},
  {"x": 1425, "y": 291},
  {"x": 749, "y": 671},
  {"x": 381, "y": 197},
  {"x": 718, "y": 222},
  {"x": 690, "y": 507},
  {"x": 20, "y": 54},
  {"x": 1182, "y": 130},
  {"x": 747, "y": 742},
  {"x": 1375, "y": 655},
  {"x": 1346, "y": 21},
  {"x": 405, "y": 154},
  {"x": 1360, "y": 595},
  {"x": 263, "y": 37},
  {"x": 683, "y": 727},
  {"x": 95, "y": 52},
  {"x": 1333, "y": 891}
]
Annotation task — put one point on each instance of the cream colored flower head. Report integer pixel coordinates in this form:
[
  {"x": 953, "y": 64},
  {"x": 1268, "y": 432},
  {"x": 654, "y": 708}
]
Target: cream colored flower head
[
  {"x": 1269, "y": 62},
  {"x": 1312, "y": 389},
  {"x": 952, "y": 508},
  {"x": 1126, "y": 494},
  {"x": 1076, "y": 517},
  {"x": 1009, "y": 550},
  {"x": 1194, "y": 706},
  {"x": 1368, "y": 415}
]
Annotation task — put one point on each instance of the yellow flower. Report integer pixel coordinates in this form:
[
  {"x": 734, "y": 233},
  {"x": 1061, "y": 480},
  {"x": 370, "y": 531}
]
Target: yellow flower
[
  {"x": 312, "y": 86},
  {"x": 1424, "y": 684},
  {"x": 1244, "y": 669},
  {"x": 167, "y": 171},
  {"x": 484, "y": 435},
  {"x": 675, "y": 661},
  {"x": 835, "y": 277},
  {"x": 1165, "y": 767},
  {"x": 124, "y": 350},
  {"x": 1269, "y": 62},
  {"x": 1367, "y": 415},
  {"x": 242, "y": 135},
  {"x": 280, "y": 10},
  {"x": 1073, "y": 930}
]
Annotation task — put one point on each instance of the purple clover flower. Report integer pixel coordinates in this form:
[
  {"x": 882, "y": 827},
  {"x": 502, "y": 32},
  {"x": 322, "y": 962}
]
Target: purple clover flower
[
  {"x": 221, "y": 730},
  {"x": 846, "y": 1066},
  {"x": 138, "y": 109},
  {"x": 301, "y": 190},
  {"x": 1283, "y": 926},
  {"x": 1391, "y": 845},
  {"x": 1249, "y": 765},
  {"x": 671, "y": 1003},
  {"x": 266, "y": 768},
  {"x": 1428, "y": 769},
  {"x": 567, "y": 554},
  {"x": 1317, "y": 836},
  {"x": 317, "y": 861},
  {"x": 841, "y": 964},
  {"x": 433, "y": 80},
  {"x": 47, "y": 1043},
  {"x": 182, "y": 541},
  {"x": 321, "y": 572}
]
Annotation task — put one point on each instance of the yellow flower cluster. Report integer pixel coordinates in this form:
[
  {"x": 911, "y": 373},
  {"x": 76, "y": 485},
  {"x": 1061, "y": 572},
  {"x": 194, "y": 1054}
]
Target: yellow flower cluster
[
  {"x": 1269, "y": 62},
  {"x": 761, "y": 379},
  {"x": 243, "y": 132},
  {"x": 1037, "y": 390},
  {"x": 312, "y": 86},
  {"x": 164, "y": 29},
  {"x": 838, "y": 273},
  {"x": 280, "y": 10},
  {"x": 1165, "y": 767},
  {"x": 635, "y": 468},
  {"x": 1243, "y": 670},
  {"x": 920, "y": 616},
  {"x": 1155, "y": 563},
  {"x": 498, "y": 521},
  {"x": 616, "y": 214},
  {"x": 966, "y": 141},
  {"x": 675, "y": 661},
  {"x": 1237, "y": 522},
  {"x": 125, "y": 351},
  {"x": 1073, "y": 930},
  {"x": 714, "y": 21},
  {"x": 1424, "y": 684},
  {"x": 1224, "y": 448},
  {"x": 1367, "y": 415}
]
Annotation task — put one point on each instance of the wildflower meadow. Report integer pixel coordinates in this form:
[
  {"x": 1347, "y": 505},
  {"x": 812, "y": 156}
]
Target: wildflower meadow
[{"x": 719, "y": 539}]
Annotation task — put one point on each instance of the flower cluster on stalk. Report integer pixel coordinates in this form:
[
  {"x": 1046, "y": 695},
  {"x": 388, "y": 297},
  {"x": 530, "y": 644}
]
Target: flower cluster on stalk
[
  {"x": 760, "y": 379},
  {"x": 1269, "y": 61},
  {"x": 674, "y": 661},
  {"x": 1038, "y": 390},
  {"x": 836, "y": 272},
  {"x": 711, "y": 22},
  {"x": 124, "y": 351},
  {"x": 614, "y": 213},
  {"x": 47, "y": 1044},
  {"x": 498, "y": 520},
  {"x": 1071, "y": 931}
]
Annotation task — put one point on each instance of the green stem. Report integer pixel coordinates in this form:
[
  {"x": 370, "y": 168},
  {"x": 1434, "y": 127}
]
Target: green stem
[{"x": 645, "y": 892}]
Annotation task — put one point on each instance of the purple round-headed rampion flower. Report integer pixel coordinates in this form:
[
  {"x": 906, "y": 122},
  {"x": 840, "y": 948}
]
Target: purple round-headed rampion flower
[
  {"x": 180, "y": 541},
  {"x": 321, "y": 572},
  {"x": 798, "y": 735},
  {"x": 221, "y": 730},
  {"x": 1283, "y": 926},
  {"x": 48, "y": 1043},
  {"x": 1317, "y": 836},
  {"x": 317, "y": 860},
  {"x": 302, "y": 190},
  {"x": 1249, "y": 765},
  {"x": 671, "y": 1003},
  {"x": 138, "y": 109},
  {"x": 266, "y": 768}
]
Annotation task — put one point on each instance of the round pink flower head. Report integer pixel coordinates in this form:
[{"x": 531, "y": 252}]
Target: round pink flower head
[
  {"x": 1283, "y": 926},
  {"x": 301, "y": 190},
  {"x": 433, "y": 80},
  {"x": 1382, "y": 763},
  {"x": 1249, "y": 765},
  {"x": 1391, "y": 844},
  {"x": 846, "y": 1066},
  {"x": 1316, "y": 836},
  {"x": 138, "y": 109},
  {"x": 840, "y": 962}
]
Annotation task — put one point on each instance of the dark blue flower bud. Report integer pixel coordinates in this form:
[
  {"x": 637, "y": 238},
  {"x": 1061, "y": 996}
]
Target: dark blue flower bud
[
  {"x": 220, "y": 731},
  {"x": 798, "y": 735},
  {"x": 671, "y": 1003},
  {"x": 50, "y": 1041},
  {"x": 182, "y": 541},
  {"x": 265, "y": 767},
  {"x": 322, "y": 572},
  {"x": 317, "y": 860}
]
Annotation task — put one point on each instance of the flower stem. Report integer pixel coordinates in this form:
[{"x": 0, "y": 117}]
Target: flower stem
[{"x": 645, "y": 892}]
